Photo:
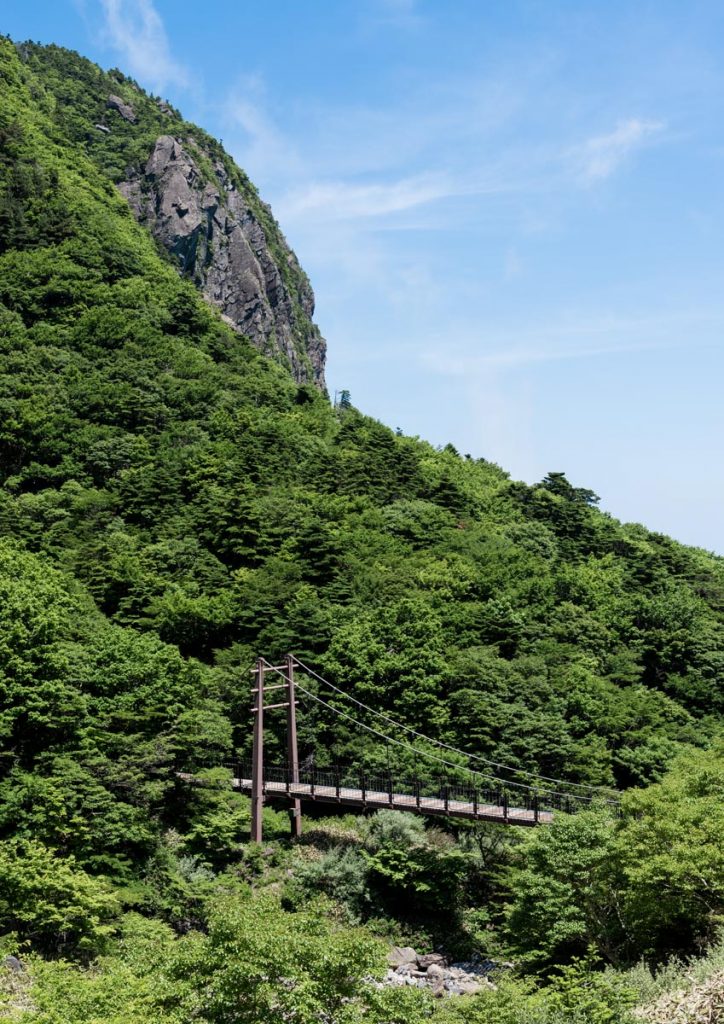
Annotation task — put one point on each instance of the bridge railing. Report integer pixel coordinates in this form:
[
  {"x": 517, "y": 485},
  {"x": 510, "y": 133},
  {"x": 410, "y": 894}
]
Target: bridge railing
[{"x": 462, "y": 796}]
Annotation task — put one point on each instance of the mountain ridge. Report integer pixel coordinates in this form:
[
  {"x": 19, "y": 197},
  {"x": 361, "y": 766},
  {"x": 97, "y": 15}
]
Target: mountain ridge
[
  {"x": 200, "y": 207},
  {"x": 131, "y": 398}
]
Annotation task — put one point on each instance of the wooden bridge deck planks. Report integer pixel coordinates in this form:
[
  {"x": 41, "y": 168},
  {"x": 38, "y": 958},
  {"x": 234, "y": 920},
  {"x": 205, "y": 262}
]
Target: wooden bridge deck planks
[{"x": 401, "y": 802}]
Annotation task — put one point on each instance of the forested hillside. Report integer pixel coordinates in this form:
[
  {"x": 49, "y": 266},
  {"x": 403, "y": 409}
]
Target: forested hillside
[{"x": 174, "y": 503}]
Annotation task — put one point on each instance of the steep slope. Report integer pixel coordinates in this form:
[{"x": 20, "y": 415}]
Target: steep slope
[
  {"x": 190, "y": 504},
  {"x": 201, "y": 208}
]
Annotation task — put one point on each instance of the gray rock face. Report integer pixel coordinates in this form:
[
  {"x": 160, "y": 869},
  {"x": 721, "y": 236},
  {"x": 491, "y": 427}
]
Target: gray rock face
[
  {"x": 124, "y": 109},
  {"x": 400, "y": 955},
  {"x": 213, "y": 233},
  {"x": 428, "y": 960}
]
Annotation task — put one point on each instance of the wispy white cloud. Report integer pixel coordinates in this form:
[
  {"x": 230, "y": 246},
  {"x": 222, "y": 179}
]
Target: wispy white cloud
[
  {"x": 398, "y": 6},
  {"x": 462, "y": 365},
  {"x": 341, "y": 200},
  {"x": 135, "y": 29},
  {"x": 253, "y": 136},
  {"x": 600, "y": 156},
  {"x": 398, "y": 13},
  {"x": 512, "y": 263},
  {"x": 580, "y": 337}
]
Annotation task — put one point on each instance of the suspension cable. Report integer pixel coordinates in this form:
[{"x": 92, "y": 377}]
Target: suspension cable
[
  {"x": 447, "y": 746},
  {"x": 408, "y": 746}
]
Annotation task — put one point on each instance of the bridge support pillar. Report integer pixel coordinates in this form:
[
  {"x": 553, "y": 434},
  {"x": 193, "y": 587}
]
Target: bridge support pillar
[
  {"x": 295, "y": 811},
  {"x": 257, "y": 757}
]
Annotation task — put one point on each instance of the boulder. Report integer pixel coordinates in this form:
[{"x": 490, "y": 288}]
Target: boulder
[
  {"x": 400, "y": 955},
  {"x": 468, "y": 987},
  {"x": 124, "y": 109},
  {"x": 13, "y": 964},
  {"x": 427, "y": 960}
]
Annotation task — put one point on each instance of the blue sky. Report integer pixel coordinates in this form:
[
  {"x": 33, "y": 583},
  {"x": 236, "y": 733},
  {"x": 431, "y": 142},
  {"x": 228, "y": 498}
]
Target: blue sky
[{"x": 511, "y": 212}]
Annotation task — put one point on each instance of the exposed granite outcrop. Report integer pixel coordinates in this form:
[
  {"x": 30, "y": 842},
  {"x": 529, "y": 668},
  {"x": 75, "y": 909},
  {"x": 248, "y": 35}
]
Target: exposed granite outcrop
[
  {"x": 124, "y": 109},
  {"x": 200, "y": 215}
]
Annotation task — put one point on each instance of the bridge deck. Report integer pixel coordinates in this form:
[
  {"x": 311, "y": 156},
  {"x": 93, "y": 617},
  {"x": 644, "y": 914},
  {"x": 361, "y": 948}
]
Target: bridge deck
[{"x": 400, "y": 802}]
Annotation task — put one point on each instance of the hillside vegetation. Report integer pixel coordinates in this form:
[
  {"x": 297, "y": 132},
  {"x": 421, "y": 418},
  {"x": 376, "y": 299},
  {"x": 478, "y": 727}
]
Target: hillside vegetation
[{"x": 173, "y": 504}]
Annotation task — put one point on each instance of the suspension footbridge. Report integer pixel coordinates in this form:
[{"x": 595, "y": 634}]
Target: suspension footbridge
[{"x": 453, "y": 783}]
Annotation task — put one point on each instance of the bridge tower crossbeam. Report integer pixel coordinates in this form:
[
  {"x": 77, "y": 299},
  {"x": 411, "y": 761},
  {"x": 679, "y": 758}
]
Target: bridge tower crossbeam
[{"x": 286, "y": 671}]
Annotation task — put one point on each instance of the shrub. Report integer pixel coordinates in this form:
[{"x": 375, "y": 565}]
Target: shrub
[
  {"x": 340, "y": 874},
  {"x": 52, "y": 902}
]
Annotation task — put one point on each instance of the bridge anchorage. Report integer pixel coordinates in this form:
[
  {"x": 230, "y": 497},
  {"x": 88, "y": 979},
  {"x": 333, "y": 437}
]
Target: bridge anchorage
[{"x": 466, "y": 786}]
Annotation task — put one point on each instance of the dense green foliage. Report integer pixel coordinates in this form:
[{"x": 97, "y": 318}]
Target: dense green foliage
[
  {"x": 172, "y": 505},
  {"x": 651, "y": 882},
  {"x": 267, "y": 953}
]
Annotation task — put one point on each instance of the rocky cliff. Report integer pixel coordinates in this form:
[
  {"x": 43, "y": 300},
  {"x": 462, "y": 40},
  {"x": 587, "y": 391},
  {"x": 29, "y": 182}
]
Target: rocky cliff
[
  {"x": 198, "y": 204},
  {"x": 194, "y": 208}
]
